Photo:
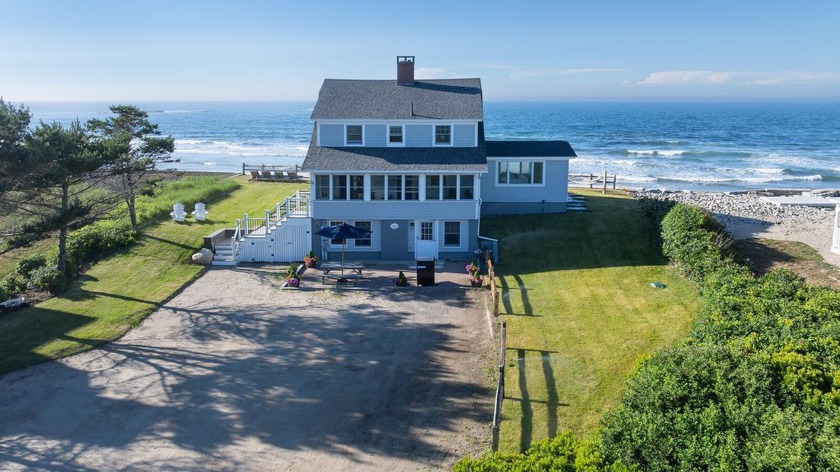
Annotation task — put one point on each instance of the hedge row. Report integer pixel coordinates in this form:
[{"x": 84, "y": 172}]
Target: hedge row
[
  {"x": 88, "y": 244},
  {"x": 95, "y": 241},
  {"x": 756, "y": 383}
]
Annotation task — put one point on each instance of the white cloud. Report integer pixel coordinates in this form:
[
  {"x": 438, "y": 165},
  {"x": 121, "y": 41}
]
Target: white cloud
[
  {"x": 739, "y": 78},
  {"x": 426, "y": 73}
]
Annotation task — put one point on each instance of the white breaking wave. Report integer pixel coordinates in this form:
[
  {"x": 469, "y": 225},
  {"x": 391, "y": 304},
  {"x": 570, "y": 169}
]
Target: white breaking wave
[
  {"x": 234, "y": 149},
  {"x": 656, "y": 152}
]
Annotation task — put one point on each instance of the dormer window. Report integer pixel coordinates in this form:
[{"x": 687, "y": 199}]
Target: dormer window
[
  {"x": 353, "y": 135},
  {"x": 443, "y": 135},
  {"x": 395, "y": 135}
]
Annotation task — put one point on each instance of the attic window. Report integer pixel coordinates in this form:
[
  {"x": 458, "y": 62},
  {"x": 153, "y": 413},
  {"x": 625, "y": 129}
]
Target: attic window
[
  {"x": 395, "y": 135},
  {"x": 443, "y": 135},
  {"x": 354, "y": 134}
]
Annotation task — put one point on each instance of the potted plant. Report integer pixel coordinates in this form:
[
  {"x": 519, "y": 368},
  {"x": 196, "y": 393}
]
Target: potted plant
[
  {"x": 311, "y": 260},
  {"x": 472, "y": 271},
  {"x": 401, "y": 280},
  {"x": 292, "y": 277}
]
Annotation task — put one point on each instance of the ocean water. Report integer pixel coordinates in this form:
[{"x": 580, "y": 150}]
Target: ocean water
[{"x": 667, "y": 145}]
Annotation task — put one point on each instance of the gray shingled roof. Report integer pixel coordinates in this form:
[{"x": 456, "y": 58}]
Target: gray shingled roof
[
  {"x": 529, "y": 149},
  {"x": 389, "y": 159},
  {"x": 449, "y": 99}
]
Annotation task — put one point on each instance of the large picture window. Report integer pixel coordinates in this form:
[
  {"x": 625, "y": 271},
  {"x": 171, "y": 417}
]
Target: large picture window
[
  {"x": 354, "y": 134},
  {"x": 452, "y": 233},
  {"x": 520, "y": 173}
]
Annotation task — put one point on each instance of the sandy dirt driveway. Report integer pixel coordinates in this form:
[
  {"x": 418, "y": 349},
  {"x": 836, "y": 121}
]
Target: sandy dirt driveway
[{"x": 235, "y": 374}]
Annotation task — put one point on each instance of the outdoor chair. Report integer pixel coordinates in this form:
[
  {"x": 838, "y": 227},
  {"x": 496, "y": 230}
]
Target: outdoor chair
[
  {"x": 266, "y": 175},
  {"x": 178, "y": 213},
  {"x": 200, "y": 212}
]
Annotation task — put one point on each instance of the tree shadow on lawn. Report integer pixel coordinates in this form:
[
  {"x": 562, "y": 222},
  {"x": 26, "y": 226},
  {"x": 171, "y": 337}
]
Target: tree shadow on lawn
[
  {"x": 22, "y": 331},
  {"x": 361, "y": 380},
  {"x": 616, "y": 233}
]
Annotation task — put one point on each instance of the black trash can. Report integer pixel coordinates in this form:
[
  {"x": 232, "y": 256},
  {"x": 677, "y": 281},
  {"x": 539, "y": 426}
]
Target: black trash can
[{"x": 426, "y": 271}]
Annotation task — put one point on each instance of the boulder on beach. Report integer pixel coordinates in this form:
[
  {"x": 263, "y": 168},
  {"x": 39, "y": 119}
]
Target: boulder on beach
[{"x": 203, "y": 257}]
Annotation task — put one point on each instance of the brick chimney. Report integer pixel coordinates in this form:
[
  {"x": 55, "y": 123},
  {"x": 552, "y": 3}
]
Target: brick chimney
[{"x": 405, "y": 70}]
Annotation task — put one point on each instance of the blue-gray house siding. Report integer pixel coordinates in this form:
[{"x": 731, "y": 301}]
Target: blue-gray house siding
[
  {"x": 331, "y": 135},
  {"x": 550, "y": 197}
]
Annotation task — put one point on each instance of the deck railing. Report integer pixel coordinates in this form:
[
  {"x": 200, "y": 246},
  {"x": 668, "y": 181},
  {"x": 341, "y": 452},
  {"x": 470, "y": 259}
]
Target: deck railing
[
  {"x": 234, "y": 241},
  {"x": 297, "y": 205}
]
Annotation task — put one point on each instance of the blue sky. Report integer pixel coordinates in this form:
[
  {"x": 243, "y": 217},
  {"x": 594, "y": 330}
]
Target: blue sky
[{"x": 90, "y": 50}]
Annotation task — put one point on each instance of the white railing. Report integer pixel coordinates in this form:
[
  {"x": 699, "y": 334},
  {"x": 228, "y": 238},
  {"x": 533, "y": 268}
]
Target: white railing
[
  {"x": 297, "y": 205},
  {"x": 234, "y": 242}
]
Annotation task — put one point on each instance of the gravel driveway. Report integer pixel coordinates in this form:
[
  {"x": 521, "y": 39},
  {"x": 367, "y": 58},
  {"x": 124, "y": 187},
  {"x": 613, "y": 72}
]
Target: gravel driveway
[{"x": 236, "y": 374}]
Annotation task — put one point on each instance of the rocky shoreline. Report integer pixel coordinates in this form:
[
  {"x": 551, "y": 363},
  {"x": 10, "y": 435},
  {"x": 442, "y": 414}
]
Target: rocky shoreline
[
  {"x": 745, "y": 215},
  {"x": 725, "y": 206}
]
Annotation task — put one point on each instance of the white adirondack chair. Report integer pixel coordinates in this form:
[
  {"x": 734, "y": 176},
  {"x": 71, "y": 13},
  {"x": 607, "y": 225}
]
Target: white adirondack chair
[
  {"x": 200, "y": 212},
  {"x": 178, "y": 213}
]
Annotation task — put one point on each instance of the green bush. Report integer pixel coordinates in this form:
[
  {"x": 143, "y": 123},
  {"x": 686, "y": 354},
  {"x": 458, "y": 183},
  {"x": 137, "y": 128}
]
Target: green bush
[
  {"x": 561, "y": 453},
  {"x": 47, "y": 278},
  {"x": 756, "y": 383},
  {"x": 94, "y": 241},
  {"x": 11, "y": 285},
  {"x": 30, "y": 263}
]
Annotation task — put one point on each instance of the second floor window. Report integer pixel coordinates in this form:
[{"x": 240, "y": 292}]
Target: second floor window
[
  {"x": 412, "y": 187},
  {"x": 322, "y": 187},
  {"x": 450, "y": 187},
  {"x": 339, "y": 187},
  {"x": 443, "y": 134},
  {"x": 354, "y": 134},
  {"x": 357, "y": 187},
  {"x": 432, "y": 187}
]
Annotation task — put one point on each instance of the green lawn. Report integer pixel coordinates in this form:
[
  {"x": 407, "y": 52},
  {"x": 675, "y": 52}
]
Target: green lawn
[
  {"x": 119, "y": 292},
  {"x": 580, "y": 313}
]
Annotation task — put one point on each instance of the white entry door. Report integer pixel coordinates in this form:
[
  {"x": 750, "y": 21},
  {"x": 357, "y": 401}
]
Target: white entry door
[{"x": 425, "y": 243}]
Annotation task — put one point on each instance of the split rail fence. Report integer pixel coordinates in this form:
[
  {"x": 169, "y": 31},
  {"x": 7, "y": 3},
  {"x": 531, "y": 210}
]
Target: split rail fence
[{"x": 595, "y": 180}]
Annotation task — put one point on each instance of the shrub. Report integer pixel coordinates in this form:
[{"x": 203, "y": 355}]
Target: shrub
[
  {"x": 11, "y": 285},
  {"x": 561, "y": 453},
  {"x": 94, "y": 241},
  {"x": 47, "y": 278},
  {"x": 30, "y": 263}
]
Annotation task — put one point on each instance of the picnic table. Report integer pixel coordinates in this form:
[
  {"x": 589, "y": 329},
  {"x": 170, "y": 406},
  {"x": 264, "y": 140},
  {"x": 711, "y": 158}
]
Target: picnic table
[{"x": 330, "y": 271}]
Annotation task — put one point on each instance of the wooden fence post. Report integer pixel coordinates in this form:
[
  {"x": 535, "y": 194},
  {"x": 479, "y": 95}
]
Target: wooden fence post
[{"x": 605, "y": 183}]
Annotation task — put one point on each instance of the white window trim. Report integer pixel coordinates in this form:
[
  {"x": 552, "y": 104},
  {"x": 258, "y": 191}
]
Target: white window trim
[
  {"x": 451, "y": 135},
  {"x": 460, "y": 235},
  {"x": 388, "y": 142},
  {"x": 345, "y": 134},
  {"x": 496, "y": 172},
  {"x": 369, "y": 246}
]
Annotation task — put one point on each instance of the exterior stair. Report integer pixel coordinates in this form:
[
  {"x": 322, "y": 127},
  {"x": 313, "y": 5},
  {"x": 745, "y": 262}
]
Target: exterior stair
[
  {"x": 224, "y": 255},
  {"x": 576, "y": 203}
]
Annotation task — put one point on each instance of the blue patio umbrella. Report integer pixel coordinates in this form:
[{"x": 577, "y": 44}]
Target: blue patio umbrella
[{"x": 343, "y": 231}]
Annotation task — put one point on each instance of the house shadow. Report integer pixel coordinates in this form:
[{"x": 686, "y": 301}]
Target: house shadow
[{"x": 364, "y": 380}]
